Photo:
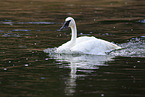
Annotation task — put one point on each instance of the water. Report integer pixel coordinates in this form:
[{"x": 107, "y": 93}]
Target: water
[{"x": 29, "y": 27}]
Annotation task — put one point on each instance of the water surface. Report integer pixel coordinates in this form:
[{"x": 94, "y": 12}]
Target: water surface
[{"x": 29, "y": 27}]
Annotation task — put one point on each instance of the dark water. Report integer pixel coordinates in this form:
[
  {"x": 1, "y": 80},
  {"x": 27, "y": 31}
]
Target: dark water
[{"x": 27, "y": 27}]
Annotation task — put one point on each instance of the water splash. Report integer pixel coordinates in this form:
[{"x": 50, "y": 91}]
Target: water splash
[
  {"x": 50, "y": 50},
  {"x": 134, "y": 48}
]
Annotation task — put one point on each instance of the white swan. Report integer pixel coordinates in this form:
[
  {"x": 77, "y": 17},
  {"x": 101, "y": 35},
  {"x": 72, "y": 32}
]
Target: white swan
[{"x": 85, "y": 44}]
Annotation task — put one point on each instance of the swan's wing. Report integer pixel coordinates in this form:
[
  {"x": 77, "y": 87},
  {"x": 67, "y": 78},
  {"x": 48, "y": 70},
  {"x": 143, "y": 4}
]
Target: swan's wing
[{"x": 94, "y": 46}]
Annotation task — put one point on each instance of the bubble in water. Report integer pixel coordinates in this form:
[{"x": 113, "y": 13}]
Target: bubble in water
[
  {"x": 5, "y": 68},
  {"x": 42, "y": 78},
  {"x": 36, "y": 60},
  {"x": 9, "y": 61},
  {"x": 26, "y": 65},
  {"x": 134, "y": 66},
  {"x": 102, "y": 95},
  {"x": 46, "y": 58},
  {"x": 138, "y": 61}
]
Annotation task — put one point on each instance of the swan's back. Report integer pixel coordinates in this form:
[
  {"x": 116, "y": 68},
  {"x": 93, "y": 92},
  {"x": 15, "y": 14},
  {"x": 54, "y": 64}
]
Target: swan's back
[{"x": 92, "y": 45}]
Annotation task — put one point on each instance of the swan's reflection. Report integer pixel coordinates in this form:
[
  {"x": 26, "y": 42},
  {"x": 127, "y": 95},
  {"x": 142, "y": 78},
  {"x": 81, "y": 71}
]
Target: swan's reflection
[{"x": 84, "y": 63}]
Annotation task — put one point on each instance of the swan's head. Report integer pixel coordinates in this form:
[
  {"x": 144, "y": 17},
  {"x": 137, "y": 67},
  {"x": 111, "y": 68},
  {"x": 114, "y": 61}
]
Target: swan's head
[{"x": 69, "y": 22}]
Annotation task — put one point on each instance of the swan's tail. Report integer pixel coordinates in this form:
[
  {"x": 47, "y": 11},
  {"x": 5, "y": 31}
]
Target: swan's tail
[{"x": 115, "y": 46}]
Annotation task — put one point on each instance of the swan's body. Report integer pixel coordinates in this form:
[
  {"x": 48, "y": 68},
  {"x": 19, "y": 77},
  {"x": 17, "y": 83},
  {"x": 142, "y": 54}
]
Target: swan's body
[{"x": 85, "y": 44}]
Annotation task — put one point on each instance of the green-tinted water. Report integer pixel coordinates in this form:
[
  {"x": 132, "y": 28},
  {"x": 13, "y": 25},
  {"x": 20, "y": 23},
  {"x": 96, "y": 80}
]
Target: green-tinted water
[{"x": 27, "y": 27}]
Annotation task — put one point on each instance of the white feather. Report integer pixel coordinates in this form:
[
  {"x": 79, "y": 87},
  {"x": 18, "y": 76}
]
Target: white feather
[{"x": 85, "y": 44}]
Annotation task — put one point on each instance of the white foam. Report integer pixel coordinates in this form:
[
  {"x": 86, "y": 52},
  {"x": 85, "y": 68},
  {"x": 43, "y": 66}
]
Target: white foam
[{"x": 134, "y": 48}]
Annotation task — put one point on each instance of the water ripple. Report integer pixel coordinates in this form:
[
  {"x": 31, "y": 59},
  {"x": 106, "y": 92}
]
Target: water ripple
[
  {"x": 11, "y": 23},
  {"x": 142, "y": 21},
  {"x": 21, "y": 30},
  {"x": 11, "y": 35}
]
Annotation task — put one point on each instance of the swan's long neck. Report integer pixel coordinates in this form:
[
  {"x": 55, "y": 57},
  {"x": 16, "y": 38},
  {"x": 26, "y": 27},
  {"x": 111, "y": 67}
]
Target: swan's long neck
[{"x": 74, "y": 33}]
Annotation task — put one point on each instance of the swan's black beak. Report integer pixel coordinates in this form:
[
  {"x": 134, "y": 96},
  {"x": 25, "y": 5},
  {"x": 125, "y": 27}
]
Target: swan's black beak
[{"x": 65, "y": 25}]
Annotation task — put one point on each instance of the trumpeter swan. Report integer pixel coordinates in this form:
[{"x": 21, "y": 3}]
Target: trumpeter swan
[{"x": 85, "y": 44}]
